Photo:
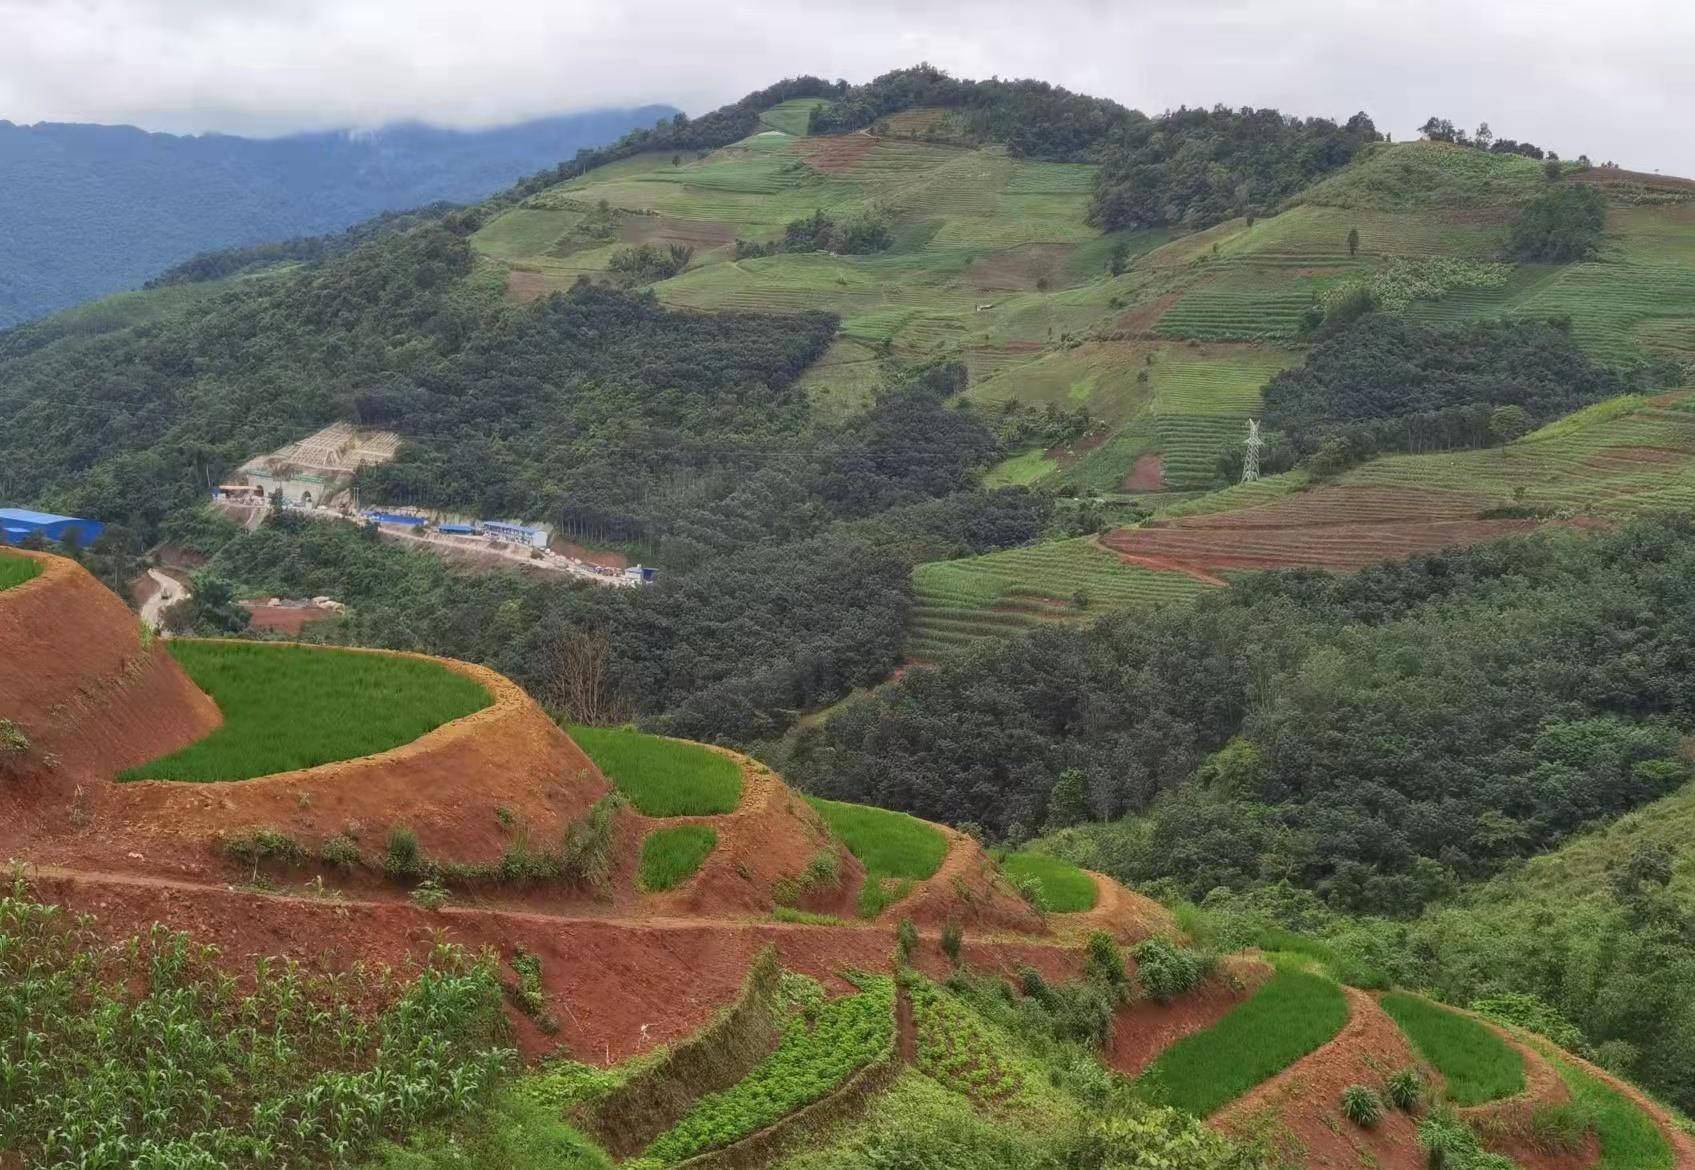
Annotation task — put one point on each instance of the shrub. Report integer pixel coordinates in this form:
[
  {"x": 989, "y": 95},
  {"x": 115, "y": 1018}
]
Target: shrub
[
  {"x": 906, "y": 940},
  {"x": 404, "y": 857},
  {"x": 1362, "y": 1106},
  {"x": 1104, "y": 962},
  {"x": 1165, "y": 970},
  {"x": 585, "y": 858},
  {"x": 430, "y": 894},
  {"x": 1562, "y": 225},
  {"x": 953, "y": 941},
  {"x": 340, "y": 851},
  {"x": 1404, "y": 1088},
  {"x": 1450, "y": 1144},
  {"x": 261, "y": 845},
  {"x": 14, "y": 743},
  {"x": 1561, "y": 1128}
]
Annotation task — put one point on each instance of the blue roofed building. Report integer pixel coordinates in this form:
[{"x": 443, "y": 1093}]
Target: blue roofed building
[{"x": 19, "y": 524}]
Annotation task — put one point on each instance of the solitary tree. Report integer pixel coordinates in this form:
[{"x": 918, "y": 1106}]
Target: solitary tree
[
  {"x": 1119, "y": 260},
  {"x": 1353, "y": 241}
]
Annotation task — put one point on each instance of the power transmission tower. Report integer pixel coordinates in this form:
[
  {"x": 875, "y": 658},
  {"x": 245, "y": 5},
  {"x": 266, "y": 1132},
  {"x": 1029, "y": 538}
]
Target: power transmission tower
[{"x": 1250, "y": 454}]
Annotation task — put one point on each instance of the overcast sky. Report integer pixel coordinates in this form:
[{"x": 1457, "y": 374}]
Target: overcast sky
[{"x": 1614, "y": 80}]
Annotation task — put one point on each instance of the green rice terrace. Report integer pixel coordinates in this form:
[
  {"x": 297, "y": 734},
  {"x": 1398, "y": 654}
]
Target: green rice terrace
[
  {"x": 663, "y": 777},
  {"x": 1060, "y": 887},
  {"x": 1294, "y": 1013},
  {"x": 15, "y": 570},
  {"x": 896, "y": 849},
  {"x": 672, "y": 855},
  {"x": 1477, "y": 1066},
  {"x": 292, "y": 707}
]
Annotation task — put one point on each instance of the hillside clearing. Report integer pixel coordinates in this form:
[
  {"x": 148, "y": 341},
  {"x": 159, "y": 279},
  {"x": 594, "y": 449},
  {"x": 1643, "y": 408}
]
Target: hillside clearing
[{"x": 292, "y": 707}]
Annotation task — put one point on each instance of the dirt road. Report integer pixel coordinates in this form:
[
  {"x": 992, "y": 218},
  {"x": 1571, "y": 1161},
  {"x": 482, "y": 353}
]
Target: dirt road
[{"x": 168, "y": 591}]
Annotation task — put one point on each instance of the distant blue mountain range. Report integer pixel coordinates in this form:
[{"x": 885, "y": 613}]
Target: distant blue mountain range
[{"x": 87, "y": 210}]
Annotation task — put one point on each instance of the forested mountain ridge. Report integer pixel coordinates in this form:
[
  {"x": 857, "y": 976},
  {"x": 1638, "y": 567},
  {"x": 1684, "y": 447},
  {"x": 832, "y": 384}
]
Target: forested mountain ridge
[{"x": 88, "y": 210}]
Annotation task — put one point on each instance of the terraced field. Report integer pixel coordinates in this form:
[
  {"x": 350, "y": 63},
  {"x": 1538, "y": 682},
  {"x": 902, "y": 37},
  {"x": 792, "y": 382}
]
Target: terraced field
[
  {"x": 960, "y": 602},
  {"x": 1185, "y": 403},
  {"x": 1627, "y": 455},
  {"x": 1608, "y": 303}
]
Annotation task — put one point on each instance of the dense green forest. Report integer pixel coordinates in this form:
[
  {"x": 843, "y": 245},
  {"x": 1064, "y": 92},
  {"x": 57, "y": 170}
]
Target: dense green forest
[
  {"x": 1389, "y": 384},
  {"x": 1377, "y": 738},
  {"x": 90, "y": 210}
]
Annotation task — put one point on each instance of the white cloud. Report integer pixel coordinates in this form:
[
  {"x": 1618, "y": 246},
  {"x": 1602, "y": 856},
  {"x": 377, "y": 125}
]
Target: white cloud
[{"x": 1612, "y": 81}]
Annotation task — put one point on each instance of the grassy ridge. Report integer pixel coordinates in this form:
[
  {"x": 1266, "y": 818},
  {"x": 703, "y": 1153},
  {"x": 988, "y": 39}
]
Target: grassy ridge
[
  {"x": 663, "y": 777},
  {"x": 1062, "y": 888},
  {"x": 670, "y": 856},
  {"x": 291, "y": 707},
  {"x": 15, "y": 570},
  {"x": 1295, "y": 1013},
  {"x": 1476, "y": 1064}
]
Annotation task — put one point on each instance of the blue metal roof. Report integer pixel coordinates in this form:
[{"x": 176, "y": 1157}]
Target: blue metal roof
[{"x": 25, "y": 516}]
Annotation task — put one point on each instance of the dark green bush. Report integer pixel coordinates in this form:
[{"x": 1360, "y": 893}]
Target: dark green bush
[{"x": 1165, "y": 970}]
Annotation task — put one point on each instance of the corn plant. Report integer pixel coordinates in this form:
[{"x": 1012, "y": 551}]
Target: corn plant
[{"x": 147, "y": 1053}]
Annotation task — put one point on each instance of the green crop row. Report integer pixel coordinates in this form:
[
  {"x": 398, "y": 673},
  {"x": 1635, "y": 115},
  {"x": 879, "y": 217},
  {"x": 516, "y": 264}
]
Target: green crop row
[
  {"x": 889, "y": 844},
  {"x": 663, "y": 777},
  {"x": 821, "y": 1048},
  {"x": 292, "y": 707}
]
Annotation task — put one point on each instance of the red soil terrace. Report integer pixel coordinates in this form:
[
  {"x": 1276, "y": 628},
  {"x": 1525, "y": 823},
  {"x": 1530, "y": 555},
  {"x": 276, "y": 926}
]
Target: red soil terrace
[
  {"x": 1337, "y": 528},
  {"x": 623, "y": 970}
]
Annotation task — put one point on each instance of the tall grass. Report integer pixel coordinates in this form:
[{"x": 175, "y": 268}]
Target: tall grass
[
  {"x": 670, "y": 856},
  {"x": 15, "y": 570},
  {"x": 289, "y": 707},
  {"x": 1061, "y": 888},
  {"x": 663, "y": 777},
  {"x": 1293, "y": 1014},
  {"x": 1477, "y": 1064}
]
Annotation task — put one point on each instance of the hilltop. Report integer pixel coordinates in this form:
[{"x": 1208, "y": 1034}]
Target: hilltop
[{"x": 90, "y": 210}]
